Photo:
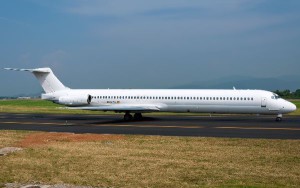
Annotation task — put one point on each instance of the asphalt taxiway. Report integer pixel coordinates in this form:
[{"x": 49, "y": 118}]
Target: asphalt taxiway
[{"x": 246, "y": 126}]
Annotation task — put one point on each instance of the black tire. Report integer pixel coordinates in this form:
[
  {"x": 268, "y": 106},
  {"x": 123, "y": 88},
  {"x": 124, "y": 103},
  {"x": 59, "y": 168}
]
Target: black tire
[
  {"x": 138, "y": 116},
  {"x": 127, "y": 117}
]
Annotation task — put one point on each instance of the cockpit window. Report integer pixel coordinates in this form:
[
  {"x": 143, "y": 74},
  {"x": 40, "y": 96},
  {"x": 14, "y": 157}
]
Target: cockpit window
[{"x": 275, "y": 96}]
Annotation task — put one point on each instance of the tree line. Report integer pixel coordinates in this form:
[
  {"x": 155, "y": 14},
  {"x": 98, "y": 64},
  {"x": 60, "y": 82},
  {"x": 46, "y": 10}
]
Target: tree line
[{"x": 288, "y": 94}]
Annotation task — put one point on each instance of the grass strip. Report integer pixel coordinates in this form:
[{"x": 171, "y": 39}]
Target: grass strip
[{"x": 152, "y": 161}]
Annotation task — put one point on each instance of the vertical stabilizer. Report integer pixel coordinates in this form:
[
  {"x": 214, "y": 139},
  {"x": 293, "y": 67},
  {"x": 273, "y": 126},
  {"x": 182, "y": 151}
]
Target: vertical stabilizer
[{"x": 47, "y": 79}]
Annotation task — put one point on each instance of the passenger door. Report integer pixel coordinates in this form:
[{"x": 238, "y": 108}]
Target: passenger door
[{"x": 263, "y": 102}]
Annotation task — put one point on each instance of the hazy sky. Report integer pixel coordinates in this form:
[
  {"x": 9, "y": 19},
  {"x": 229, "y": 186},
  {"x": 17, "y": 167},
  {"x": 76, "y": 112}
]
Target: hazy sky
[{"x": 146, "y": 44}]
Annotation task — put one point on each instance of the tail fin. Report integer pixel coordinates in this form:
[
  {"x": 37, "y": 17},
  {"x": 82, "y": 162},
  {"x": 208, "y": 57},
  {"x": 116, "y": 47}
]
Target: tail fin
[{"x": 47, "y": 79}]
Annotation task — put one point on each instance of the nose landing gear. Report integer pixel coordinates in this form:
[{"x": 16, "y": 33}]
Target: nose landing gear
[{"x": 279, "y": 118}]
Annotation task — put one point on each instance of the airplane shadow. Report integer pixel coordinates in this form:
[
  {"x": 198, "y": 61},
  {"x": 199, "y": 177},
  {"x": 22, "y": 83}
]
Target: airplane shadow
[
  {"x": 105, "y": 119},
  {"x": 118, "y": 121}
]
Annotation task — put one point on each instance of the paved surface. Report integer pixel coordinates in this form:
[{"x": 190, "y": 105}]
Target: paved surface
[{"x": 215, "y": 126}]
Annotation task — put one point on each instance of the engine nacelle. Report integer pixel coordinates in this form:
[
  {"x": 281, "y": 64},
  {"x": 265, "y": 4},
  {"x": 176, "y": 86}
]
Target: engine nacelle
[{"x": 75, "y": 100}]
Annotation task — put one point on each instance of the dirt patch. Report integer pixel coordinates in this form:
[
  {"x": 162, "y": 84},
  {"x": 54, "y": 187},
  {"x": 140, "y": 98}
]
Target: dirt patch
[{"x": 37, "y": 139}]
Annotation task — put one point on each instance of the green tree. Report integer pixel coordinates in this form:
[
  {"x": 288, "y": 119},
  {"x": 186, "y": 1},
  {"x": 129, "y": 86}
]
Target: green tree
[{"x": 297, "y": 93}]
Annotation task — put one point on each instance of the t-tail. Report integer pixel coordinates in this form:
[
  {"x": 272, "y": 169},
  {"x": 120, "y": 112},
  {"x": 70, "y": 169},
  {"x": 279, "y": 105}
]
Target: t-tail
[{"x": 49, "y": 82}]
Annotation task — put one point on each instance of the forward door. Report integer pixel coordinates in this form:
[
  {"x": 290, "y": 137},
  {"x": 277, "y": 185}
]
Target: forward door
[{"x": 263, "y": 102}]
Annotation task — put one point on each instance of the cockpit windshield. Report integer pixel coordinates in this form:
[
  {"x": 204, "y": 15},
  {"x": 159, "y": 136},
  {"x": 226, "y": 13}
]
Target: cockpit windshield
[{"x": 275, "y": 96}]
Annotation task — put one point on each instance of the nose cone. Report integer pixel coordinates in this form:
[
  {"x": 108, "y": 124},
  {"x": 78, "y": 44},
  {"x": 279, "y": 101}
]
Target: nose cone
[{"x": 290, "y": 107}]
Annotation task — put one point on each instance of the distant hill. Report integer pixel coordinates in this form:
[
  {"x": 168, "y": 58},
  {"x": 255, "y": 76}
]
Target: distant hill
[{"x": 242, "y": 82}]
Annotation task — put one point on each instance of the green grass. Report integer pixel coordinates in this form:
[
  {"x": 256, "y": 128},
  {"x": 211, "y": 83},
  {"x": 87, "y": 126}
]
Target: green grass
[
  {"x": 42, "y": 106},
  {"x": 153, "y": 161},
  {"x": 38, "y": 106},
  {"x": 28, "y": 103}
]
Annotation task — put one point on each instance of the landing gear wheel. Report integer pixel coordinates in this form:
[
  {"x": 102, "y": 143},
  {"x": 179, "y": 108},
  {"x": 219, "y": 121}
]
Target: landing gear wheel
[
  {"x": 279, "y": 118},
  {"x": 127, "y": 117},
  {"x": 138, "y": 116}
]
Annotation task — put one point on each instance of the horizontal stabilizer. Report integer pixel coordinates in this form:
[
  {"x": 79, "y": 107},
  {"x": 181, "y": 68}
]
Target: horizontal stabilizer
[{"x": 43, "y": 70}]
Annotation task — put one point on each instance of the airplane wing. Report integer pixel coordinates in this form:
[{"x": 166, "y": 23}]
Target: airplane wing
[{"x": 119, "y": 108}]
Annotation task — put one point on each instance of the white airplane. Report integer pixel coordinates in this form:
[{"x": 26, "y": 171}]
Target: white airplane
[{"x": 140, "y": 101}]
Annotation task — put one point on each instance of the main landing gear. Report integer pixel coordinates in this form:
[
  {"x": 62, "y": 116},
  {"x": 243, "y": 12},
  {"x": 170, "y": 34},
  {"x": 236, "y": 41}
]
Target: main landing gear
[
  {"x": 129, "y": 117},
  {"x": 279, "y": 118}
]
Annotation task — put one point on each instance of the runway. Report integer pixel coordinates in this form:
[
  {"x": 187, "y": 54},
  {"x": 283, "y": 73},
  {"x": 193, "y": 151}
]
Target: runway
[{"x": 246, "y": 126}]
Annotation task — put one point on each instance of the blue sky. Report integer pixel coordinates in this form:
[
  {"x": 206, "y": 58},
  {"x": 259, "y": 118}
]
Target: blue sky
[{"x": 147, "y": 44}]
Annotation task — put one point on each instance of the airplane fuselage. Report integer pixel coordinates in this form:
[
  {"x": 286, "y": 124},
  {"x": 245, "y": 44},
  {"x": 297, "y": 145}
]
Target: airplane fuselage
[{"x": 169, "y": 100}]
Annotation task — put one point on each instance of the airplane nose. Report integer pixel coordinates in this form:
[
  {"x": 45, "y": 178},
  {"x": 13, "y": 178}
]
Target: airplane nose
[
  {"x": 291, "y": 107},
  {"x": 294, "y": 107}
]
